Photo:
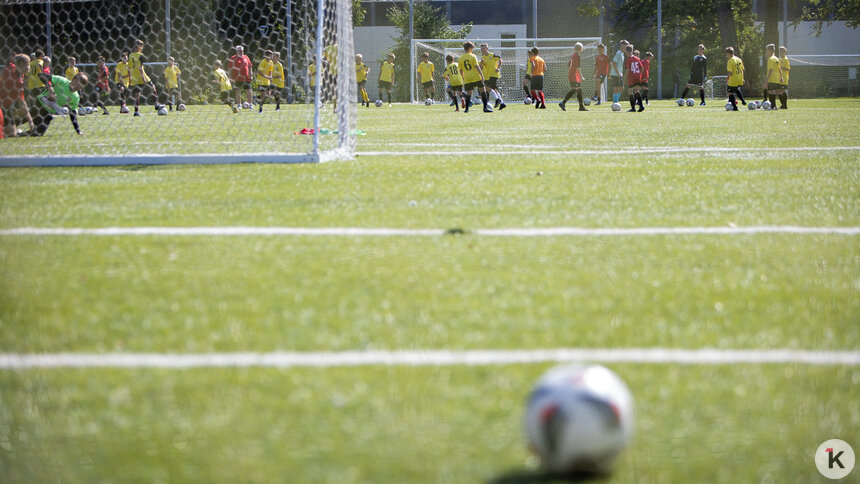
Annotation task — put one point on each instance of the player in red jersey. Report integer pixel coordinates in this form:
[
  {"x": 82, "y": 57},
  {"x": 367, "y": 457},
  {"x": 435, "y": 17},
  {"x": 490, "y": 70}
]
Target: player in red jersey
[
  {"x": 601, "y": 71},
  {"x": 574, "y": 76},
  {"x": 646, "y": 75},
  {"x": 101, "y": 89},
  {"x": 633, "y": 66},
  {"x": 12, "y": 93},
  {"x": 239, "y": 68}
]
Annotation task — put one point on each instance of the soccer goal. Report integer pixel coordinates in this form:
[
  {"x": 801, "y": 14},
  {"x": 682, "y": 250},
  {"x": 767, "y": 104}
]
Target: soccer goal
[
  {"x": 513, "y": 52},
  {"x": 297, "y": 108}
]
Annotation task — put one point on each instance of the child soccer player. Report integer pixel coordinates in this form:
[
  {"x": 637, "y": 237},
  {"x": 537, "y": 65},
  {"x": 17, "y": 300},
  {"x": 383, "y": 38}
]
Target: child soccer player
[
  {"x": 264, "y": 78},
  {"x": 774, "y": 79},
  {"x": 171, "y": 81},
  {"x": 646, "y": 75},
  {"x": 616, "y": 75},
  {"x": 473, "y": 77},
  {"x": 277, "y": 79},
  {"x": 71, "y": 70},
  {"x": 11, "y": 93},
  {"x": 455, "y": 82},
  {"x": 239, "y": 69},
  {"x": 735, "y": 77},
  {"x": 784, "y": 67},
  {"x": 61, "y": 93},
  {"x": 122, "y": 79},
  {"x": 386, "y": 77},
  {"x": 361, "y": 71},
  {"x": 491, "y": 65},
  {"x": 538, "y": 71},
  {"x": 601, "y": 71},
  {"x": 312, "y": 79},
  {"x": 574, "y": 75},
  {"x": 102, "y": 88},
  {"x": 425, "y": 75},
  {"x": 633, "y": 66},
  {"x": 139, "y": 79},
  {"x": 698, "y": 74},
  {"x": 224, "y": 85}
]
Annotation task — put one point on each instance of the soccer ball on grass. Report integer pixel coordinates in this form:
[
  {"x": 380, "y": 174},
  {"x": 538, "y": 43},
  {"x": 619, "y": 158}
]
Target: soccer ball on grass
[
  {"x": 428, "y": 101},
  {"x": 691, "y": 102},
  {"x": 181, "y": 107},
  {"x": 378, "y": 103},
  {"x": 246, "y": 105},
  {"x": 616, "y": 107},
  {"x": 680, "y": 102},
  {"x": 729, "y": 106},
  {"x": 586, "y": 101},
  {"x": 162, "y": 111},
  {"x": 579, "y": 418},
  {"x": 527, "y": 100},
  {"x": 765, "y": 105}
]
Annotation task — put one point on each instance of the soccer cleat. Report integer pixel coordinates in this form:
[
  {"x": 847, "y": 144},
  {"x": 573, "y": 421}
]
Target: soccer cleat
[
  {"x": 542, "y": 106},
  {"x": 561, "y": 105},
  {"x": 105, "y": 113},
  {"x": 598, "y": 103},
  {"x": 488, "y": 109},
  {"x": 137, "y": 113},
  {"x": 702, "y": 103},
  {"x": 502, "y": 106},
  {"x": 498, "y": 101},
  {"x": 631, "y": 110},
  {"x": 641, "y": 108},
  {"x": 452, "y": 103},
  {"x": 235, "y": 109},
  {"x": 582, "y": 108},
  {"x": 594, "y": 98}
]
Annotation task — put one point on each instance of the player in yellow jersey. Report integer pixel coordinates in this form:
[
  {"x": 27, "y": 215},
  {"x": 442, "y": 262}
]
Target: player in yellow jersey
[
  {"x": 225, "y": 87},
  {"x": 734, "y": 78},
  {"x": 171, "y": 83},
  {"x": 122, "y": 79},
  {"x": 473, "y": 77},
  {"x": 455, "y": 82},
  {"x": 35, "y": 86},
  {"x": 139, "y": 79},
  {"x": 784, "y": 67},
  {"x": 278, "y": 80},
  {"x": 361, "y": 71},
  {"x": 386, "y": 77},
  {"x": 330, "y": 78},
  {"x": 71, "y": 69},
  {"x": 425, "y": 72},
  {"x": 491, "y": 65},
  {"x": 774, "y": 79},
  {"x": 312, "y": 79},
  {"x": 264, "y": 78}
]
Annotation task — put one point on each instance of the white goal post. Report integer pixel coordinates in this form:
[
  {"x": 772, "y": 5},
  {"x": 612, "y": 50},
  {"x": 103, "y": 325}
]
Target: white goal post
[
  {"x": 513, "y": 52},
  {"x": 308, "y": 112}
]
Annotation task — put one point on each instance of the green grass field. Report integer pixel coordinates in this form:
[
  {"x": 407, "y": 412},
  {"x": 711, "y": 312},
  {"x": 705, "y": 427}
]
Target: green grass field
[{"x": 428, "y": 168}]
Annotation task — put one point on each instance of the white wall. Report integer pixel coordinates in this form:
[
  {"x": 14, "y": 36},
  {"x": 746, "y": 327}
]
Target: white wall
[{"x": 835, "y": 39}]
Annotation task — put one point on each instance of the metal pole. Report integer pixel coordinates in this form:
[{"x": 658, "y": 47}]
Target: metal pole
[
  {"x": 411, "y": 54},
  {"x": 167, "y": 26},
  {"x": 659, "y": 49},
  {"x": 48, "y": 33},
  {"x": 534, "y": 18},
  {"x": 289, "y": 74},
  {"x": 784, "y": 23},
  {"x": 600, "y": 23},
  {"x": 318, "y": 74}
]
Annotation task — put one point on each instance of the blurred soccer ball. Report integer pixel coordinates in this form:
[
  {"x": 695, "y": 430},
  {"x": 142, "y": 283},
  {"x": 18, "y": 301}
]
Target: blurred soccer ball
[
  {"x": 579, "y": 418},
  {"x": 162, "y": 111},
  {"x": 729, "y": 106},
  {"x": 680, "y": 102},
  {"x": 691, "y": 102},
  {"x": 757, "y": 104},
  {"x": 65, "y": 111},
  {"x": 246, "y": 105},
  {"x": 123, "y": 110},
  {"x": 181, "y": 107},
  {"x": 616, "y": 107},
  {"x": 527, "y": 100},
  {"x": 82, "y": 111},
  {"x": 378, "y": 103},
  {"x": 765, "y": 105},
  {"x": 751, "y": 106},
  {"x": 586, "y": 101},
  {"x": 428, "y": 101}
]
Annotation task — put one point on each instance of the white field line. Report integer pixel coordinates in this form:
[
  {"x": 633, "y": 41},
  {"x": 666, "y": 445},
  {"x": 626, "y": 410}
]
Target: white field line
[
  {"x": 643, "y": 150},
  {"x": 377, "y": 232},
  {"x": 11, "y": 361}
]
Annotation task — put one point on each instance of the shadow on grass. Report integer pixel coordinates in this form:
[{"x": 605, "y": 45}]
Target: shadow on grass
[{"x": 523, "y": 476}]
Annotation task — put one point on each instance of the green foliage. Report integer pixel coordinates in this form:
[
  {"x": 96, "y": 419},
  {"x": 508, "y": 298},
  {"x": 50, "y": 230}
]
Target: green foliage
[
  {"x": 358, "y": 13},
  {"x": 825, "y": 12},
  {"x": 429, "y": 22}
]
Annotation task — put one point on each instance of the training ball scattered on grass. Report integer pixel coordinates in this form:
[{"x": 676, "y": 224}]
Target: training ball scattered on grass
[
  {"x": 527, "y": 100},
  {"x": 751, "y": 106},
  {"x": 691, "y": 102},
  {"x": 428, "y": 101},
  {"x": 729, "y": 106},
  {"x": 181, "y": 107},
  {"x": 123, "y": 110},
  {"x": 616, "y": 107},
  {"x": 765, "y": 105},
  {"x": 246, "y": 105},
  {"x": 586, "y": 101},
  {"x": 579, "y": 418},
  {"x": 378, "y": 103},
  {"x": 680, "y": 102},
  {"x": 162, "y": 111}
]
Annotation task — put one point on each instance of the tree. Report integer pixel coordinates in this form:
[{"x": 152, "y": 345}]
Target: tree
[
  {"x": 429, "y": 22},
  {"x": 825, "y": 12},
  {"x": 358, "y": 13}
]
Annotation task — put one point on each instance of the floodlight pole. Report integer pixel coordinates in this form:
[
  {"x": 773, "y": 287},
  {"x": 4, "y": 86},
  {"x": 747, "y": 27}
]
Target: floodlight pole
[
  {"x": 411, "y": 52},
  {"x": 167, "y": 26},
  {"x": 659, "y": 49},
  {"x": 785, "y": 23},
  {"x": 48, "y": 28},
  {"x": 318, "y": 74}
]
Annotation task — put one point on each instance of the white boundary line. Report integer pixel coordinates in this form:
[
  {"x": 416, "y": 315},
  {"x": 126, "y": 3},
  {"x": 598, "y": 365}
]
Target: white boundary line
[
  {"x": 11, "y": 361},
  {"x": 598, "y": 151},
  {"x": 379, "y": 232}
]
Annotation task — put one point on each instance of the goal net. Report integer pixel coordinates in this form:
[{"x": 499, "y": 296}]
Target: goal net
[
  {"x": 832, "y": 75},
  {"x": 513, "y": 52},
  {"x": 288, "y": 95}
]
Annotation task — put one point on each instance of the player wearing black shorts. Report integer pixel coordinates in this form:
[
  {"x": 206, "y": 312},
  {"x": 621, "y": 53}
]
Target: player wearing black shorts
[{"x": 698, "y": 74}]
